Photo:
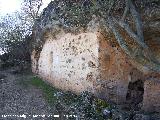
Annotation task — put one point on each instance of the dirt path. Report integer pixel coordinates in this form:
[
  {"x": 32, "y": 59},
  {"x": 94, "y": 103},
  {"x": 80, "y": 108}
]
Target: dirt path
[{"x": 16, "y": 99}]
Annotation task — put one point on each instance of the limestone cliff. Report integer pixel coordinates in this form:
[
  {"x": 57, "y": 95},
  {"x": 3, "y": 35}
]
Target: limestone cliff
[{"x": 89, "y": 58}]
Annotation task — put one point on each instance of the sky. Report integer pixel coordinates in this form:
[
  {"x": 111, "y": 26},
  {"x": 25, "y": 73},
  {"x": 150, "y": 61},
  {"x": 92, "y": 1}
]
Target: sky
[
  {"x": 1, "y": 52},
  {"x": 10, "y": 6}
]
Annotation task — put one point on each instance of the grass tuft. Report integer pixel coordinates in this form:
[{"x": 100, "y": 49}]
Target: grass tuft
[{"x": 48, "y": 90}]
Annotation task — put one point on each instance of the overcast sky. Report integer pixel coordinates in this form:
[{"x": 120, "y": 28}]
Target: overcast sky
[{"x": 10, "y": 6}]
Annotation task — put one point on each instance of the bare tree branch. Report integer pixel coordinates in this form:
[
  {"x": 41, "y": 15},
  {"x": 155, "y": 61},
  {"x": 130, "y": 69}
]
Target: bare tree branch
[
  {"x": 38, "y": 8},
  {"x": 118, "y": 37},
  {"x": 135, "y": 55},
  {"x": 137, "y": 19},
  {"x": 32, "y": 7},
  {"x": 131, "y": 33},
  {"x": 126, "y": 10}
]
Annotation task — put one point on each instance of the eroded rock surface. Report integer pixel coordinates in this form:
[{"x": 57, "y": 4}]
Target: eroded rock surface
[{"x": 92, "y": 60}]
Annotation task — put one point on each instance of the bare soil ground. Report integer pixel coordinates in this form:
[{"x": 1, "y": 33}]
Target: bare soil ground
[{"x": 19, "y": 101}]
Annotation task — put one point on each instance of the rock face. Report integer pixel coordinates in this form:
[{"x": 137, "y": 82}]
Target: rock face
[
  {"x": 152, "y": 95},
  {"x": 88, "y": 61},
  {"x": 70, "y": 62}
]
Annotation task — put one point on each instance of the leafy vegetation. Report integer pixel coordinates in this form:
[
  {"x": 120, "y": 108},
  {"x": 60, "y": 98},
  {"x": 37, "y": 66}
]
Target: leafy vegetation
[
  {"x": 16, "y": 33},
  {"x": 84, "y": 106}
]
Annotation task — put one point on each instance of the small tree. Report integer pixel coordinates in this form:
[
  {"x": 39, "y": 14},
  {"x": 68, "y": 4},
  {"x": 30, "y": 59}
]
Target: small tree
[
  {"x": 13, "y": 36},
  {"x": 16, "y": 30}
]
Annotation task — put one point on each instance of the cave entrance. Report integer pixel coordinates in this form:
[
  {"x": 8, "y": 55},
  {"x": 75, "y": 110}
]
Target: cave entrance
[{"x": 135, "y": 92}]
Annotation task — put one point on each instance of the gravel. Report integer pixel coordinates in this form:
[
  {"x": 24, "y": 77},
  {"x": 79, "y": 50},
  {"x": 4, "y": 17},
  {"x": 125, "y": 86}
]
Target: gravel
[{"x": 18, "y": 102}]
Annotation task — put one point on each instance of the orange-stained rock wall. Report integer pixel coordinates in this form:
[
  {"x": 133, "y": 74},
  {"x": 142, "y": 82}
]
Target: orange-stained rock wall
[{"x": 116, "y": 71}]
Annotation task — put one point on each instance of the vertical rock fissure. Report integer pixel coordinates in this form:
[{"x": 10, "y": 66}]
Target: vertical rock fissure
[{"x": 51, "y": 61}]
